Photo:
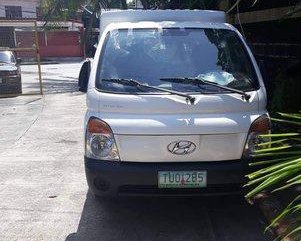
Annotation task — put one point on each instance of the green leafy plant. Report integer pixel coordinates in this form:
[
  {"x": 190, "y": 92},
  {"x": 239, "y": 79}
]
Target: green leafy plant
[{"x": 279, "y": 163}]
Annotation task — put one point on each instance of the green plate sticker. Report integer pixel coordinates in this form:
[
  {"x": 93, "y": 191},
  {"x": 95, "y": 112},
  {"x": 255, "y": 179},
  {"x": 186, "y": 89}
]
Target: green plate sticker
[{"x": 182, "y": 179}]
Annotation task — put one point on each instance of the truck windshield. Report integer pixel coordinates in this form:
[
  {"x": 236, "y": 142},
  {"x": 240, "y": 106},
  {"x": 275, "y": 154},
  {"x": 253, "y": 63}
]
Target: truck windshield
[{"x": 148, "y": 55}]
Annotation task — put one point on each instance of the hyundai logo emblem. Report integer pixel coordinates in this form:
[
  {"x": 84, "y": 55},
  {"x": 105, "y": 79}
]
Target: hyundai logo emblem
[{"x": 181, "y": 147}]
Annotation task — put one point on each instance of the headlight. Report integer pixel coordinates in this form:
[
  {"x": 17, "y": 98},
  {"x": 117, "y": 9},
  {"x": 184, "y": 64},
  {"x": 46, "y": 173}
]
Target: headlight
[
  {"x": 100, "y": 142},
  {"x": 261, "y": 126}
]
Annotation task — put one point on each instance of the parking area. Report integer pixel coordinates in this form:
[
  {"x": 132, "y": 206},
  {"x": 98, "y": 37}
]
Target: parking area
[
  {"x": 57, "y": 78},
  {"x": 43, "y": 191}
]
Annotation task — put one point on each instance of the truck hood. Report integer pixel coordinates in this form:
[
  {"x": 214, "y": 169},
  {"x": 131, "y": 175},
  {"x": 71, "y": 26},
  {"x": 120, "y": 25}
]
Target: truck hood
[
  {"x": 145, "y": 126},
  {"x": 7, "y": 67},
  {"x": 171, "y": 114}
]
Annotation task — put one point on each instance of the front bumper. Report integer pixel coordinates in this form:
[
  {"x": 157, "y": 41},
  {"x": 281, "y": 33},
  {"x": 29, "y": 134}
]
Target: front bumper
[
  {"x": 109, "y": 178},
  {"x": 10, "y": 84}
]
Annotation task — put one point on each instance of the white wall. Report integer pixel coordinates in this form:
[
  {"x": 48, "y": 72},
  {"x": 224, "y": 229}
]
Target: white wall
[{"x": 26, "y": 5}]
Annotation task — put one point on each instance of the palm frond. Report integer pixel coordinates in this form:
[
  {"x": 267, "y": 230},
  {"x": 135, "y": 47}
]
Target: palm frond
[
  {"x": 268, "y": 143},
  {"x": 293, "y": 116},
  {"x": 280, "y": 158},
  {"x": 272, "y": 149},
  {"x": 265, "y": 162},
  {"x": 280, "y": 135},
  {"x": 286, "y": 121}
]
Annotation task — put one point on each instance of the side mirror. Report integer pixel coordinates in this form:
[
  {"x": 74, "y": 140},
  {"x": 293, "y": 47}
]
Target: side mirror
[
  {"x": 84, "y": 75},
  {"x": 18, "y": 60}
]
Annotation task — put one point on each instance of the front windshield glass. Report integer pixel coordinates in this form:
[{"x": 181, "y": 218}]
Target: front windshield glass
[
  {"x": 146, "y": 55},
  {"x": 6, "y": 57}
]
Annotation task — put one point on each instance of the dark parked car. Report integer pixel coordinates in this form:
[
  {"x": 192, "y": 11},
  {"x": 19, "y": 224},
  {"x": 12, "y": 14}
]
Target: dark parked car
[{"x": 10, "y": 74}]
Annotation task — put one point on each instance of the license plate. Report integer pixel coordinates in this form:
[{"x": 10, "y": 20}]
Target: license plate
[{"x": 182, "y": 179}]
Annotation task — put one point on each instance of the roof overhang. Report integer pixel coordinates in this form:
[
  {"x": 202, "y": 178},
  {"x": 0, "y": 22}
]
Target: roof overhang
[{"x": 31, "y": 23}]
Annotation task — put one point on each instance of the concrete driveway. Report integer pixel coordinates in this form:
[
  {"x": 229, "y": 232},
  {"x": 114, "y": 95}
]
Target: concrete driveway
[{"x": 43, "y": 191}]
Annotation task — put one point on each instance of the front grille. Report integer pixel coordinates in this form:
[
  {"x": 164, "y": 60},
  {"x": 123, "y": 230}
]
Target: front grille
[
  {"x": 154, "y": 190},
  {"x": 4, "y": 73}
]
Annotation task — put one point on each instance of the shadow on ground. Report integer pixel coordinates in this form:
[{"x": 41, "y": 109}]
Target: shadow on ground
[
  {"x": 155, "y": 219},
  {"x": 54, "y": 86}
]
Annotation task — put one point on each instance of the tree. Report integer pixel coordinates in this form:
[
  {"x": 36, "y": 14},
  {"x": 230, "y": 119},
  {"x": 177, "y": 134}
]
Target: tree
[
  {"x": 65, "y": 9},
  {"x": 180, "y": 4}
]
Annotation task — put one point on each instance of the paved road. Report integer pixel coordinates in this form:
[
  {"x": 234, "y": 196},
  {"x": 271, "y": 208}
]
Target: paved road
[
  {"x": 56, "y": 78},
  {"x": 43, "y": 192}
]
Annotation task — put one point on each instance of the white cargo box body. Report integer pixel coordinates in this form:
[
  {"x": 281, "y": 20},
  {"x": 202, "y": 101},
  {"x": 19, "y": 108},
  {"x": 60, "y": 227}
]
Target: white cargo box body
[{"x": 161, "y": 16}]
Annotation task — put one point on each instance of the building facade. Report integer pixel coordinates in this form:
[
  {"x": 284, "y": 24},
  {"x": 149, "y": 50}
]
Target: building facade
[
  {"x": 19, "y": 9},
  {"x": 63, "y": 39}
]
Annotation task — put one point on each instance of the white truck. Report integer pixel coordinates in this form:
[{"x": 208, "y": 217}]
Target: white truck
[{"x": 175, "y": 105}]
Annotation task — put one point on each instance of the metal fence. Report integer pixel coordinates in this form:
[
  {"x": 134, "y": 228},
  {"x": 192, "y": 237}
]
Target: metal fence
[
  {"x": 20, "y": 74},
  {"x": 277, "y": 50}
]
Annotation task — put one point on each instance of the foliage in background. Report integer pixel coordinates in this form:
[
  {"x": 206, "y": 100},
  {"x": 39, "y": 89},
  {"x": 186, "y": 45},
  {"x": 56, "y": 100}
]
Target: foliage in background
[
  {"x": 279, "y": 160},
  {"x": 183, "y": 4},
  {"x": 66, "y": 9},
  {"x": 61, "y": 10},
  {"x": 285, "y": 95}
]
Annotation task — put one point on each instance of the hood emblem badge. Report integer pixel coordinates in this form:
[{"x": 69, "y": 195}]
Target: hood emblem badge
[{"x": 181, "y": 147}]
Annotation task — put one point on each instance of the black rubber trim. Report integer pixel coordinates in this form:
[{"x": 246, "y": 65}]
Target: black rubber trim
[{"x": 133, "y": 178}]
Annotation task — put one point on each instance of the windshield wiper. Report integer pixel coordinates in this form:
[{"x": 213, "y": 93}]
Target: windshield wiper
[
  {"x": 135, "y": 83},
  {"x": 198, "y": 81}
]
